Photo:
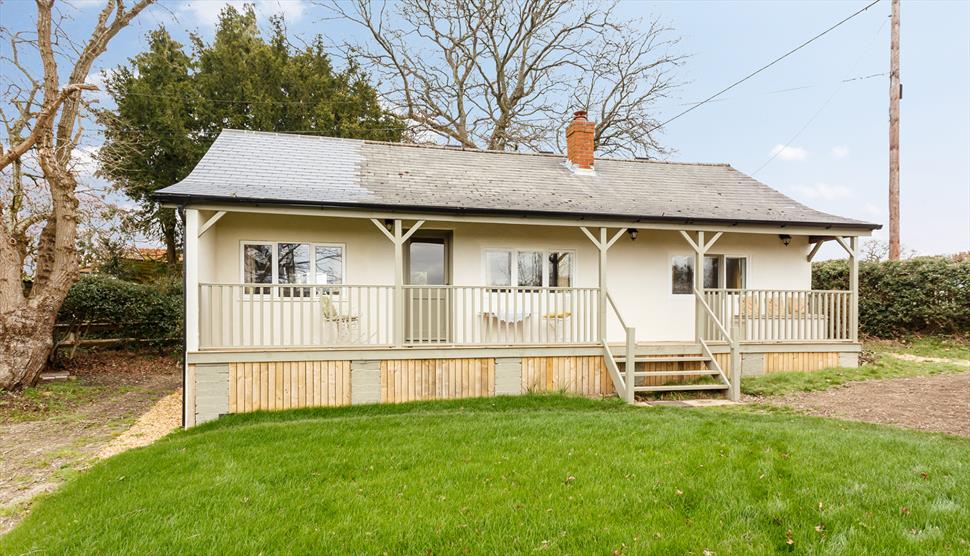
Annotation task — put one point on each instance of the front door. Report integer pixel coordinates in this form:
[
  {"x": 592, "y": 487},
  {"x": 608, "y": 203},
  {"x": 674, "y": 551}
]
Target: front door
[{"x": 427, "y": 305}]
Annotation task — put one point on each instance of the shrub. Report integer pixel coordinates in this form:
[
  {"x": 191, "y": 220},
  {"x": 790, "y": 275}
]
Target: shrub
[
  {"x": 923, "y": 295},
  {"x": 144, "y": 311}
]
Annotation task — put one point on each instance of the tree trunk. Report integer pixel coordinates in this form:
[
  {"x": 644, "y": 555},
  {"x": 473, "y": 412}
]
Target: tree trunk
[
  {"x": 171, "y": 249},
  {"x": 26, "y": 340}
]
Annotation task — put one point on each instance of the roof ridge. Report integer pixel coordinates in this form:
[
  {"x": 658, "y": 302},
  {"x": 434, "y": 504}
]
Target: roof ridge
[
  {"x": 432, "y": 146},
  {"x": 540, "y": 154}
]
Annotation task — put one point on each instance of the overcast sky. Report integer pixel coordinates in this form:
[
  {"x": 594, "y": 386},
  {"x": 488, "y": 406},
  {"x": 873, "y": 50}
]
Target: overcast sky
[{"x": 822, "y": 113}]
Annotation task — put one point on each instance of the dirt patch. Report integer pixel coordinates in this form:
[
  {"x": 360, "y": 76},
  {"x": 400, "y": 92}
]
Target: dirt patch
[
  {"x": 929, "y": 403},
  {"x": 49, "y": 433}
]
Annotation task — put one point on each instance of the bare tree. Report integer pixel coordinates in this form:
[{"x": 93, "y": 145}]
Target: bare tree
[
  {"x": 503, "y": 74},
  {"x": 45, "y": 116}
]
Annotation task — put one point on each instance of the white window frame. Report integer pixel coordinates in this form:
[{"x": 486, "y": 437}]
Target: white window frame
[
  {"x": 275, "y": 245},
  {"x": 747, "y": 267},
  {"x": 721, "y": 273},
  {"x": 514, "y": 260},
  {"x": 670, "y": 274}
]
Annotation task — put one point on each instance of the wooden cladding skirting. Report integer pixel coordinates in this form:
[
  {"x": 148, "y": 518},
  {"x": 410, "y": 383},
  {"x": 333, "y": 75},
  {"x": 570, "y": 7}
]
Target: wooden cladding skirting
[
  {"x": 288, "y": 385},
  {"x": 583, "y": 375},
  {"x": 800, "y": 361},
  {"x": 436, "y": 379}
]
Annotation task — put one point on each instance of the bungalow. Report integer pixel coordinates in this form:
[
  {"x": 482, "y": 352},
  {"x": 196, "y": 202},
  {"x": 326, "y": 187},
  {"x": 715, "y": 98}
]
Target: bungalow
[{"x": 323, "y": 271}]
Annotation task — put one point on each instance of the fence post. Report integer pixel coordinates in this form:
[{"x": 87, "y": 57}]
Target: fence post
[
  {"x": 631, "y": 363},
  {"x": 735, "y": 391}
]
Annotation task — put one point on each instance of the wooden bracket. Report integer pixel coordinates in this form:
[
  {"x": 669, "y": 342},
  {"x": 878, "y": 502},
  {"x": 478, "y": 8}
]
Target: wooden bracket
[
  {"x": 845, "y": 246},
  {"x": 211, "y": 222},
  {"x": 811, "y": 254}
]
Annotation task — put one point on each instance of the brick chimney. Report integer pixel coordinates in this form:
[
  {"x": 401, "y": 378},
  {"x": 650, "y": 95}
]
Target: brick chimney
[{"x": 579, "y": 141}]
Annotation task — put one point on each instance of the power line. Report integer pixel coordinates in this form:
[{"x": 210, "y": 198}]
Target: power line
[
  {"x": 762, "y": 68},
  {"x": 824, "y": 104}
]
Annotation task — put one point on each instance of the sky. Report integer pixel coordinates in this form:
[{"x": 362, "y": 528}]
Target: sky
[{"x": 814, "y": 126}]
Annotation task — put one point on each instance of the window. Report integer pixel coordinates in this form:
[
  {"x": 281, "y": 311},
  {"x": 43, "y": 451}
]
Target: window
[
  {"x": 291, "y": 263},
  {"x": 561, "y": 269},
  {"x": 258, "y": 264},
  {"x": 531, "y": 268},
  {"x": 719, "y": 271},
  {"x": 498, "y": 268},
  {"x": 712, "y": 272},
  {"x": 735, "y": 272},
  {"x": 682, "y": 274}
]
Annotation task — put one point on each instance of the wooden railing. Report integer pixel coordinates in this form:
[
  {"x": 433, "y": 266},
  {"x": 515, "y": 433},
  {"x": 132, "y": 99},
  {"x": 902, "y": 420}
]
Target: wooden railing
[
  {"x": 294, "y": 316},
  {"x": 481, "y": 315},
  {"x": 263, "y": 315},
  {"x": 715, "y": 328},
  {"x": 624, "y": 383},
  {"x": 781, "y": 315}
]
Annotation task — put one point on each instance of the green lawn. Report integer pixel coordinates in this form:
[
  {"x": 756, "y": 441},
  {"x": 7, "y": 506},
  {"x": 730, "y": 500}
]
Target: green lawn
[
  {"x": 881, "y": 366},
  {"x": 517, "y": 475},
  {"x": 948, "y": 347}
]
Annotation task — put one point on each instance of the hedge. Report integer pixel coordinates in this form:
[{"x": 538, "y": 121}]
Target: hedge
[
  {"x": 144, "y": 311},
  {"x": 923, "y": 295}
]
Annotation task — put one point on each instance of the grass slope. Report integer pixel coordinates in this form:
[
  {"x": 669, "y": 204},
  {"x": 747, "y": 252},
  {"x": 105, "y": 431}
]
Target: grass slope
[{"x": 516, "y": 475}]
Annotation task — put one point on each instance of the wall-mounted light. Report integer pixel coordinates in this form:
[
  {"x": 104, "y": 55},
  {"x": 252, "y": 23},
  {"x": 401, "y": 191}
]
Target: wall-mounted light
[
  {"x": 389, "y": 224},
  {"x": 785, "y": 238},
  {"x": 633, "y": 233}
]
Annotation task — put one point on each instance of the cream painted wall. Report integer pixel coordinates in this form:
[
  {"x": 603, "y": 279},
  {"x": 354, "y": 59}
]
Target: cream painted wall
[{"x": 638, "y": 271}]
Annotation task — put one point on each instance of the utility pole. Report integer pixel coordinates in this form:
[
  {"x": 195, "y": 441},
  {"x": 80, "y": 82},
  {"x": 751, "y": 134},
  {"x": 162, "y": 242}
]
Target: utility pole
[{"x": 895, "y": 93}]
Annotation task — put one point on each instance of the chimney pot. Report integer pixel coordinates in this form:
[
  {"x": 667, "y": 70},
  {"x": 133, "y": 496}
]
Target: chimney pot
[{"x": 580, "y": 134}]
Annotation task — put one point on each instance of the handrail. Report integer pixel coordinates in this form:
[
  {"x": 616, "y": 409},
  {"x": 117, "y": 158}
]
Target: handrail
[
  {"x": 629, "y": 382},
  {"x": 743, "y": 290},
  {"x": 614, "y": 369},
  {"x": 700, "y": 297},
  {"x": 616, "y": 310},
  {"x": 706, "y": 350}
]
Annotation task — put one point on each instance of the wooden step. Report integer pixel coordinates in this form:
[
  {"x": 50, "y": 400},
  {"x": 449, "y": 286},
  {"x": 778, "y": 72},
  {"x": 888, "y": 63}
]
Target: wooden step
[
  {"x": 692, "y": 372},
  {"x": 662, "y": 359},
  {"x": 680, "y": 387}
]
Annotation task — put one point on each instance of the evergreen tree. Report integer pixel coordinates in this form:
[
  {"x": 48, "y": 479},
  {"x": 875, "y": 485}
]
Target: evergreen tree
[{"x": 171, "y": 105}]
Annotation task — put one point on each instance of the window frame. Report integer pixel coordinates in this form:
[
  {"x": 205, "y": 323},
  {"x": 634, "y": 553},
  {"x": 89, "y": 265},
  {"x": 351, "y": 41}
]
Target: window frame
[
  {"x": 275, "y": 246},
  {"x": 721, "y": 271},
  {"x": 544, "y": 253}
]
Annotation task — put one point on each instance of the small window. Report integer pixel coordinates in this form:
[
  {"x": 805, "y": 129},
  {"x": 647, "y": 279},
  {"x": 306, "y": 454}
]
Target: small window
[
  {"x": 682, "y": 274},
  {"x": 294, "y": 263},
  {"x": 529, "y": 269},
  {"x": 328, "y": 265},
  {"x": 498, "y": 268},
  {"x": 257, "y": 266},
  {"x": 736, "y": 271},
  {"x": 712, "y": 272},
  {"x": 561, "y": 269}
]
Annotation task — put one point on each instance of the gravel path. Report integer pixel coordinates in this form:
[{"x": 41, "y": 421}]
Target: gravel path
[
  {"x": 164, "y": 417},
  {"x": 938, "y": 403},
  {"x": 42, "y": 450}
]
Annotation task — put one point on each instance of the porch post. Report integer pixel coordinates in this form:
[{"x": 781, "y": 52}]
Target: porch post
[
  {"x": 190, "y": 258},
  {"x": 398, "y": 284},
  {"x": 602, "y": 283},
  {"x": 699, "y": 286},
  {"x": 854, "y": 287}
]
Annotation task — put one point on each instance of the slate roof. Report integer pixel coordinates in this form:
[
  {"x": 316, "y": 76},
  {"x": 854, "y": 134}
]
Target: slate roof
[{"x": 258, "y": 167}]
